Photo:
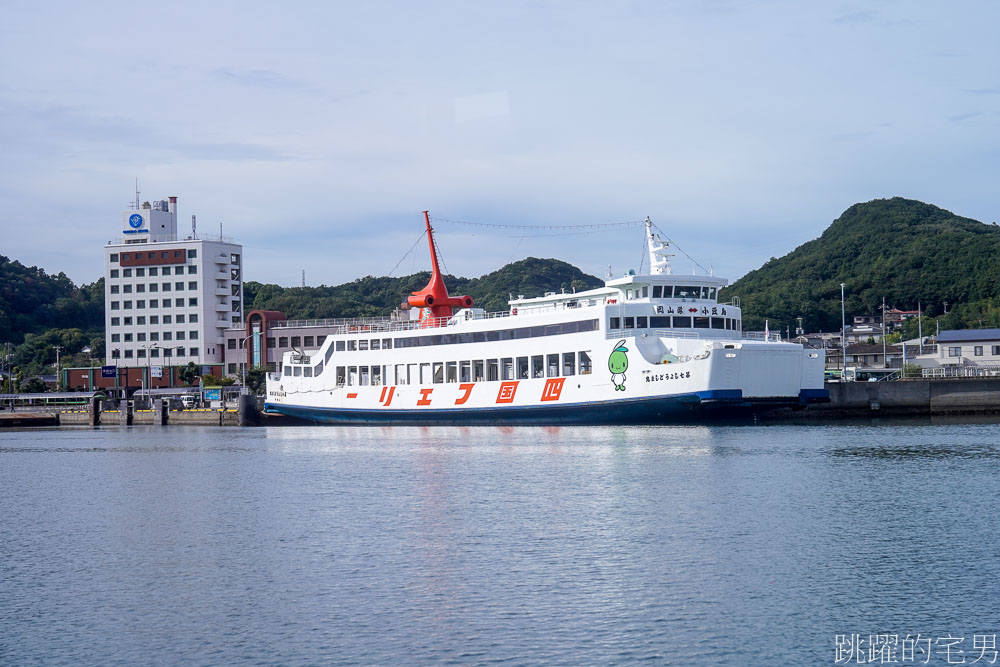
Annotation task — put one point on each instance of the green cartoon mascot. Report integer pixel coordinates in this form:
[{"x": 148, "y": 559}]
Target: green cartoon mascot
[{"x": 617, "y": 364}]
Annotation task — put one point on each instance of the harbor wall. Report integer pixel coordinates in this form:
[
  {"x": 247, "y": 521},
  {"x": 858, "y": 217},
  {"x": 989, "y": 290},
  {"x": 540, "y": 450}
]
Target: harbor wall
[{"x": 937, "y": 396}]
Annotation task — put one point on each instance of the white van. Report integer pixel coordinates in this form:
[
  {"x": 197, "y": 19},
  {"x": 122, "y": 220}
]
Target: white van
[{"x": 188, "y": 401}]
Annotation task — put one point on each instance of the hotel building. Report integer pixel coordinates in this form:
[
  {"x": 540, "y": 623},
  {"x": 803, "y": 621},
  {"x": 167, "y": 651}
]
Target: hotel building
[{"x": 168, "y": 301}]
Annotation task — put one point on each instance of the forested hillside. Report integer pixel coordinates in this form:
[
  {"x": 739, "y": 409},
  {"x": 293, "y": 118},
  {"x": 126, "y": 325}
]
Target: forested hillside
[
  {"x": 33, "y": 301},
  {"x": 904, "y": 250},
  {"x": 370, "y": 296}
]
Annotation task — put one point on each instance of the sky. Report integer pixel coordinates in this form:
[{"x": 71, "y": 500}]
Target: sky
[{"x": 315, "y": 133}]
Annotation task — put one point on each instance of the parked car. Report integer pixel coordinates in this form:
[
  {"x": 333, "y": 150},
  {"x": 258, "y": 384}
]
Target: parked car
[{"x": 189, "y": 402}]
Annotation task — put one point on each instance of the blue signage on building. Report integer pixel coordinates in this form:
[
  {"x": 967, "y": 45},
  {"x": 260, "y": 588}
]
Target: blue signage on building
[
  {"x": 109, "y": 371},
  {"x": 135, "y": 221},
  {"x": 212, "y": 394}
]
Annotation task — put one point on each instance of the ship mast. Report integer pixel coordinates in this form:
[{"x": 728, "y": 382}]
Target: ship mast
[
  {"x": 433, "y": 299},
  {"x": 659, "y": 255}
]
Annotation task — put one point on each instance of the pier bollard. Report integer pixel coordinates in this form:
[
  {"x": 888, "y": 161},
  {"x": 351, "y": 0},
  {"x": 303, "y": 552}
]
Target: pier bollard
[
  {"x": 161, "y": 410},
  {"x": 247, "y": 410},
  {"x": 125, "y": 413},
  {"x": 94, "y": 410}
]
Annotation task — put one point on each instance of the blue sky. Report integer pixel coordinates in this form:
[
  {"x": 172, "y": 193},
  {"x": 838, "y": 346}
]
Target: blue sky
[{"x": 317, "y": 132}]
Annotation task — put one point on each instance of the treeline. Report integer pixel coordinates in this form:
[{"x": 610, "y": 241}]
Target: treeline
[
  {"x": 906, "y": 251},
  {"x": 371, "y": 296}
]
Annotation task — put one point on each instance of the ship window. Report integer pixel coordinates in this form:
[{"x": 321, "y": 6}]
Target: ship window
[
  {"x": 375, "y": 343},
  {"x": 711, "y": 293},
  {"x": 522, "y": 368},
  {"x": 682, "y": 323},
  {"x": 401, "y": 374},
  {"x": 552, "y": 366},
  {"x": 630, "y": 323},
  {"x": 340, "y": 346},
  {"x": 307, "y": 371},
  {"x": 628, "y": 294},
  {"x": 297, "y": 371},
  {"x": 569, "y": 363},
  {"x": 641, "y": 322},
  {"x": 386, "y": 343},
  {"x": 465, "y": 371},
  {"x": 364, "y": 376},
  {"x": 352, "y": 345},
  {"x": 585, "y": 364},
  {"x": 492, "y": 370},
  {"x": 438, "y": 372},
  {"x": 538, "y": 366},
  {"x": 659, "y": 322},
  {"x": 352, "y": 376},
  {"x": 657, "y": 291},
  {"x": 296, "y": 341},
  {"x": 319, "y": 368},
  {"x": 686, "y": 292},
  {"x": 615, "y": 323},
  {"x": 452, "y": 371},
  {"x": 718, "y": 323},
  {"x": 329, "y": 350},
  {"x": 288, "y": 371},
  {"x": 362, "y": 345},
  {"x": 376, "y": 376},
  {"x": 308, "y": 341},
  {"x": 701, "y": 323},
  {"x": 645, "y": 291},
  {"x": 478, "y": 371}
]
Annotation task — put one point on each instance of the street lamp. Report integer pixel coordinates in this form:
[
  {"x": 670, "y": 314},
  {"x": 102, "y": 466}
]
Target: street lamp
[
  {"x": 843, "y": 335},
  {"x": 148, "y": 348}
]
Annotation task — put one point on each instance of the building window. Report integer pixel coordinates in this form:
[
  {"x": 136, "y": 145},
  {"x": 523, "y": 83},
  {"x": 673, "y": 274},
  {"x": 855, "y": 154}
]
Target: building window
[
  {"x": 270, "y": 342},
  {"x": 234, "y": 259},
  {"x": 141, "y": 303},
  {"x": 179, "y": 286},
  {"x": 114, "y": 289},
  {"x": 141, "y": 354},
  {"x": 116, "y": 338},
  {"x": 236, "y": 306},
  {"x": 127, "y": 289},
  {"x": 193, "y": 285},
  {"x": 231, "y": 344},
  {"x": 167, "y": 319},
  {"x": 180, "y": 318},
  {"x": 193, "y": 352},
  {"x": 114, "y": 273},
  {"x": 282, "y": 341},
  {"x": 995, "y": 350},
  {"x": 167, "y": 352},
  {"x": 192, "y": 269},
  {"x": 141, "y": 320},
  {"x": 296, "y": 341},
  {"x": 954, "y": 351},
  {"x": 193, "y": 301},
  {"x": 126, "y": 273},
  {"x": 140, "y": 288},
  {"x": 127, "y": 321},
  {"x": 153, "y": 271},
  {"x": 978, "y": 350},
  {"x": 308, "y": 341},
  {"x": 153, "y": 287},
  {"x": 180, "y": 335},
  {"x": 167, "y": 335},
  {"x": 178, "y": 270},
  {"x": 154, "y": 319},
  {"x": 192, "y": 335},
  {"x": 140, "y": 273},
  {"x": 116, "y": 353},
  {"x": 165, "y": 287},
  {"x": 115, "y": 321},
  {"x": 128, "y": 354},
  {"x": 154, "y": 303},
  {"x": 141, "y": 337},
  {"x": 154, "y": 336},
  {"x": 193, "y": 318},
  {"x": 180, "y": 352},
  {"x": 231, "y": 369},
  {"x": 192, "y": 253},
  {"x": 154, "y": 352},
  {"x": 128, "y": 338},
  {"x": 114, "y": 257},
  {"x": 167, "y": 303},
  {"x": 128, "y": 305}
]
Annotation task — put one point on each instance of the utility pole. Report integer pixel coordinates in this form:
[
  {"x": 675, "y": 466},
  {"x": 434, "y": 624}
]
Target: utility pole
[
  {"x": 58, "y": 349},
  {"x": 885, "y": 362},
  {"x": 920, "y": 328},
  {"x": 843, "y": 335}
]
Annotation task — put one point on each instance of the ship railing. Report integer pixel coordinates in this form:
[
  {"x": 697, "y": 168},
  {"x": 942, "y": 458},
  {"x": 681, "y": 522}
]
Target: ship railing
[
  {"x": 381, "y": 324},
  {"x": 662, "y": 333},
  {"x": 760, "y": 335}
]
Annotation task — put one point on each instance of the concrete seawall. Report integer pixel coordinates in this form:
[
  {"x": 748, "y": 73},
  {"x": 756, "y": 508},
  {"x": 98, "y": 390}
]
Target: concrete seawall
[{"x": 941, "y": 396}]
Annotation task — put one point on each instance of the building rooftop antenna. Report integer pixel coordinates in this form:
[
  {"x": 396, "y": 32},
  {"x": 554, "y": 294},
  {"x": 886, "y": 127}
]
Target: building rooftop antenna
[{"x": 136, "y": 193}]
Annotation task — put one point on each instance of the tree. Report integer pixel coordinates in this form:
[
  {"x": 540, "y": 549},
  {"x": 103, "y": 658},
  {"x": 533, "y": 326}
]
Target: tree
[
  {"x": 209, "y": 380},
  {"x": 188, "y": 374},
  {"x": 257, "y": 380}
]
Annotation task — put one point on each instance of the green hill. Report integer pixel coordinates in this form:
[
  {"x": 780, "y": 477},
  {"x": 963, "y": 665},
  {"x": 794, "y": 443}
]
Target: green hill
[
  {"x": 370, "y": 296},
  {"x": 904, "y": 250}
]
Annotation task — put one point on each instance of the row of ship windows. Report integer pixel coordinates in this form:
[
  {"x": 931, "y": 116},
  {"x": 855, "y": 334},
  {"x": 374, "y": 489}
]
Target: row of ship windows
[
  {"x": 154, "y": 287},
  {"x": 671, "y": 292},
  {"x": 154, "y": 353},
  {"x": 140, "y": 272},
  {"x": 155, "y": 303},
  {"x": 154, "y": 336},
  {"x": 565, "y": 364},
  {"x": 667, "y": 322},
  {"x": 140, "y": 320}
]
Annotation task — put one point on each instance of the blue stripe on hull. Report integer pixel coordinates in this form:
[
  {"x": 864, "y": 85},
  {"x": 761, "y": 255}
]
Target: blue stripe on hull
[{"x": 680, "y": 408}]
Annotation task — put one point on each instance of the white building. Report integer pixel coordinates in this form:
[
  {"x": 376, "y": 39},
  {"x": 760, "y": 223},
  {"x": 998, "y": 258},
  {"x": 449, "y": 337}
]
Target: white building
[
  {"x": 168, "y": 301},
  {"x": 963, "y": 348}
]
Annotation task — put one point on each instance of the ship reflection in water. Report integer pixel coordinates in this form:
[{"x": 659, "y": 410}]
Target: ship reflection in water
[{"x": 542, "y": 545}]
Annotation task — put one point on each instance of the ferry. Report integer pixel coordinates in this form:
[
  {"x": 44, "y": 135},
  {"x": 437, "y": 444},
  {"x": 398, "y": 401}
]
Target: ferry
[{"x": 644, "y": 349}]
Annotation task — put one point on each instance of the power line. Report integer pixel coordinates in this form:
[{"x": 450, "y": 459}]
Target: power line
[{"x": 557, "y": 228}]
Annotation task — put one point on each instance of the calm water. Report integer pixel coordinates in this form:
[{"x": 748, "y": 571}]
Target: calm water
[{"x": 689, "y": 545}]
